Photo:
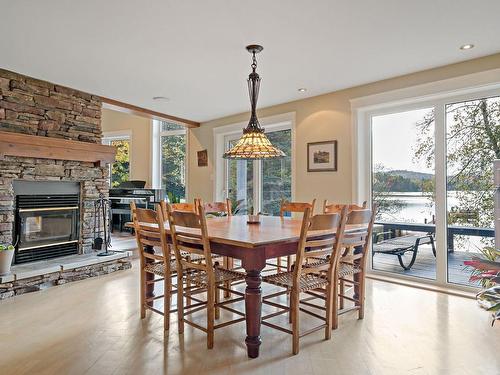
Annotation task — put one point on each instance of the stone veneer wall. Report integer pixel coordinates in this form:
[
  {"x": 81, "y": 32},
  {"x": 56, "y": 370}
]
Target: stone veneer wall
[
  {"x": 36, "y": 107},
  {"x": 36, "y": 283}
]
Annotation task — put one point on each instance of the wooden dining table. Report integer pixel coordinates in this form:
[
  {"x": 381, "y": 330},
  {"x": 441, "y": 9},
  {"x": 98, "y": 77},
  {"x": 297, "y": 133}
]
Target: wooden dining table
[{"x": 253, "y": 245}]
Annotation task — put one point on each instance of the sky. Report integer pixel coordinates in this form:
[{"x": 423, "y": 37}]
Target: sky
[{"x": 394, "y": 139}]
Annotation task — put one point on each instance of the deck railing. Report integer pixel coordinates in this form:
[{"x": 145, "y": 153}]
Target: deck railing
[{"x": 452, "y": 230}]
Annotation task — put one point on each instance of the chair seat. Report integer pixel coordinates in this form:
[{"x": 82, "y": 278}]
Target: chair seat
[
  {"x": 347, "y": 269},
  {"x": 221, "y": 275},
  {"x": 159, "y": 268},
  {"x": 307, "y": 281}
]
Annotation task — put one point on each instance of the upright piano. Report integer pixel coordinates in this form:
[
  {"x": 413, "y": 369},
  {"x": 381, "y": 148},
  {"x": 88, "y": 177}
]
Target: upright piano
[{"x": 131, "y": 191}]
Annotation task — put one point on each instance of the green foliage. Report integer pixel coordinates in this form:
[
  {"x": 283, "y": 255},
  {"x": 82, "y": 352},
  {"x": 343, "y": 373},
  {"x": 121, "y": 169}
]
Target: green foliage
[
  {"x": 6, "y": 247},
  {"x": 487, "y": 271},
  {"x": 173, "y": 164},
  {"x": 172, "y": 198},
  {"x": 120, "y": 170},
  {"x": 382, "y": 187},
  {"x": 276, "y": 177},
  {"x": 277, "y": 174},
  {"x": 473, "y": 142}
]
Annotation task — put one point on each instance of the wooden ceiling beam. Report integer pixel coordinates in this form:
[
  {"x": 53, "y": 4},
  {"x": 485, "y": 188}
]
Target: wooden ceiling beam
[{"x": 116, "y": 105}]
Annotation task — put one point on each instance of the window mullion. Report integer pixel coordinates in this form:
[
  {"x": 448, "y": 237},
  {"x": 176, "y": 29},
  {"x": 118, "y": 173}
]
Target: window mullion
[
  {"x": 257, "y": 183},
  {"x": 440, "y": 175}
]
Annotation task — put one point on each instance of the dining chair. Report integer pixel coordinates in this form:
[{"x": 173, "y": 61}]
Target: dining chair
[
  {"x": 189, "y": 234},
  {"x": 330, "y": 208},
  {"x": 314, "y": 278},
  {"x": 292, "y": 207},
  {"x": 352, "y": 265},
  {"x": 161, "y": 267},
  {"x": 183, "y": 206},
  {"x": 218, "y": 209}
]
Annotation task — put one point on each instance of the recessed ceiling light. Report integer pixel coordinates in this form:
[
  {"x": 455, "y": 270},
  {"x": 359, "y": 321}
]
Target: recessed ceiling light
[
  {"x": 161, "y": 98},
  {"x": 302, "y": 89},
  {"x": 467, "y": 46}
]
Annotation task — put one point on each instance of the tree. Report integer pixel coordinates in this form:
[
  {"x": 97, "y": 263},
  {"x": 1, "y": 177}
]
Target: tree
[
  {"x": 276, "y": 177},
  {"x": 173, "y": 165},
  {"x": 383, "y": 185},
  {"x": 120, "y": 170},
  {"x": 473, "y": 142}
]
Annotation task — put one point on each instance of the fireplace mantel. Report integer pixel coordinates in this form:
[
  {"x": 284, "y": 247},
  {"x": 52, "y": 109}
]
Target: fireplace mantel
[{"x": 33, "y": 146}]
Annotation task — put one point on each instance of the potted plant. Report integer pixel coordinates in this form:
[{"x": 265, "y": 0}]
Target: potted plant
[
  {"x": 6, "y": 254},
  {"x": 487, "y": 271}
]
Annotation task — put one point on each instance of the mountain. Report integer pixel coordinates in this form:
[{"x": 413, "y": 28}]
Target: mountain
[{"x": 412, "y": 175}]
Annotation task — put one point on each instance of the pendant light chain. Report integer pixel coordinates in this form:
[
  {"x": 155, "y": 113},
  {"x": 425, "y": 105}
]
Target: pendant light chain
[{"x": 254, "y": 144}]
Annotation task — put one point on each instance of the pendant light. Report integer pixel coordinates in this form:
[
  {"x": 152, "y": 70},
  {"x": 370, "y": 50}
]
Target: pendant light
[{"x": 253, "y": 144}]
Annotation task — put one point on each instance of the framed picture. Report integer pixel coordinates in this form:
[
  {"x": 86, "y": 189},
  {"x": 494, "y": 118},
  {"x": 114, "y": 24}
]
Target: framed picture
[
  {"x": 202, "y": 158},
  {"x": 322, "y": 156}
]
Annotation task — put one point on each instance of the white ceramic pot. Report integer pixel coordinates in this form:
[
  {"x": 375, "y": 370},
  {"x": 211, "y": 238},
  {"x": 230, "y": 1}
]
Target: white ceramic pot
[{"x": 5, "y": 261}]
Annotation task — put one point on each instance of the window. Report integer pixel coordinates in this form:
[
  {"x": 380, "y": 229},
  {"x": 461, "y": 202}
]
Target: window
[
  {"x": 472, "y": 143},
  {"x": 261, "y": 185},
  {"x": 431, "y": 172},
  {"x": 171, "y": 141},
  {"x": 120, "y": 169},
  {"x": 276, "y": 174}
]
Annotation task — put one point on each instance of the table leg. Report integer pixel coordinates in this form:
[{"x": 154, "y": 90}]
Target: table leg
[
  {"x": 150, "y": 288},
  {"x": 253, "y": 309}
]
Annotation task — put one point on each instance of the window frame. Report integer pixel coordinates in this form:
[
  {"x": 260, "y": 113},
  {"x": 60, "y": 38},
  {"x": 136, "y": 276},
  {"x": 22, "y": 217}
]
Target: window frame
[
  {"x": 119, "y": 135},
  {"x": 156, "y": 167}
]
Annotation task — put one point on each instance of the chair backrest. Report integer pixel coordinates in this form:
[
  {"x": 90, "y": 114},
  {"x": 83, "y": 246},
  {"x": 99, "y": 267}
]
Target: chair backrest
[
  {"x": 287, "y": 206},
  {"x": 149, "y": 232},
  {"x": 146, "y": 228},
  {"x": 216, "y": 207},
  {"x": 329, "y": 229},
  {"x": 361, "y": 230},
  {"x": 332, "y": 208},
  {"x": 190, "y": 207},
  {"x": 189, "y": 235}
]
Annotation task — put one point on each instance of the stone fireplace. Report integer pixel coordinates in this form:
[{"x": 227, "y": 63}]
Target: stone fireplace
[
  {"x": 34, "y": 107},
  {"x": 50, "y": 136}
]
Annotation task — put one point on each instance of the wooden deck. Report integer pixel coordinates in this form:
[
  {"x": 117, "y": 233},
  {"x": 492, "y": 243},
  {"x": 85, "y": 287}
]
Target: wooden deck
[{"x": 425, "y": 265}]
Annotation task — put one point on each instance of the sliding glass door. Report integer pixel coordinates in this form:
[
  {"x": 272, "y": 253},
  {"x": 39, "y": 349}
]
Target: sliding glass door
[
  {"x": 432, "y": 180},
  {"x": 403, "y": 191},
  {"x": 473, "y": 142}
]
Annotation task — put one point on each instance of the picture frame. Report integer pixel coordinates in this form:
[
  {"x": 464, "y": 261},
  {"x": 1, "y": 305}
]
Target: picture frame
[
  {"x": 202, "y": 158},
  {"x": 322, "y": 156}
]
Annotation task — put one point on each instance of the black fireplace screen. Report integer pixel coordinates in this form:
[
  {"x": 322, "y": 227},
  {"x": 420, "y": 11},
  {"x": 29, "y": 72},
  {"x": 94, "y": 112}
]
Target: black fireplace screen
[{"x": 46, "y": 226}]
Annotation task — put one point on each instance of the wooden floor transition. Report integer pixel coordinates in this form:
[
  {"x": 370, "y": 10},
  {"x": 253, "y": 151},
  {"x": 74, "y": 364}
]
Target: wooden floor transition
[{"x": 93, "y": 327}]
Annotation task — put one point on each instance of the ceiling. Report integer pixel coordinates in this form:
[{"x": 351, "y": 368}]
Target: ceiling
[{"x": 193, "y": 51}]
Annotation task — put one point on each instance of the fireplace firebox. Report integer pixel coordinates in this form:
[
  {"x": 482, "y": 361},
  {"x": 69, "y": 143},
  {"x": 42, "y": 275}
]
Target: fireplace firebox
[{"x": 47, "y": 225}]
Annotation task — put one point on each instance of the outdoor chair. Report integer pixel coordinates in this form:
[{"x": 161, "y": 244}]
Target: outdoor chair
[{"x": 399, "y": 246}]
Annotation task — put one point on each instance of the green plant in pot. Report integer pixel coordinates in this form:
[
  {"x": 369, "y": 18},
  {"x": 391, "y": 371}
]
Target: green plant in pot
[
  {"x": 486, "y": 270},
  {"x": 6, "y": 254}
]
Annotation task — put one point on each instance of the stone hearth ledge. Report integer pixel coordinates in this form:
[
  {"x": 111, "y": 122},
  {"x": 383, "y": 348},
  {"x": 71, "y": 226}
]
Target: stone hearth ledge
[{"x": 25, "y": 278}]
